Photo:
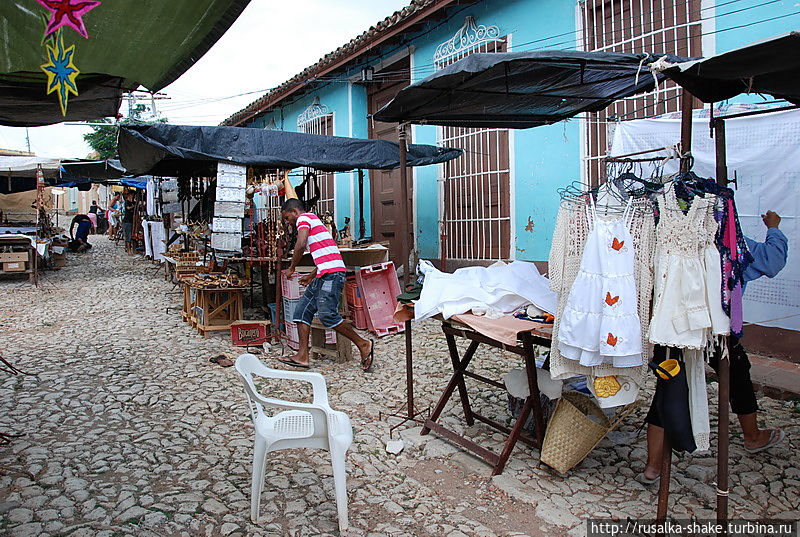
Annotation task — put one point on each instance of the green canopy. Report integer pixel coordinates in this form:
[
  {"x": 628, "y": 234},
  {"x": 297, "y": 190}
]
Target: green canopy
[{"x": 127, "y": 44}]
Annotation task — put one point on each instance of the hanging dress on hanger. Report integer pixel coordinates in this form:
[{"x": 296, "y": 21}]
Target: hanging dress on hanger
[
  {"x": 681, "y": 314},
  {"x": 566, "y": 254},
  {"x": 600, "y": 323}
]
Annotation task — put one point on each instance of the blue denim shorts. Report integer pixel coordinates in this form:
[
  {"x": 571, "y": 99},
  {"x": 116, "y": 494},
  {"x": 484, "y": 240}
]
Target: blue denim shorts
[{"x": 322, "y": 299}]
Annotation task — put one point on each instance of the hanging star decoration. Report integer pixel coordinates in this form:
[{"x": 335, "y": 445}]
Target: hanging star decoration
[
  {"x": 61, "y": 72},
  {"x": 68, "y": 13}
]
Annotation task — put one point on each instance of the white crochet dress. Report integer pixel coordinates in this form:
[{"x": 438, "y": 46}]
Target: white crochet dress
[
  {"x": 681, "y": 314},
  {"x": 569, "y": 239}
]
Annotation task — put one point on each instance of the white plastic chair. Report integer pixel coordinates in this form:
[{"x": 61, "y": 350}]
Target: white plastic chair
[{"x": 307, "y": 425}]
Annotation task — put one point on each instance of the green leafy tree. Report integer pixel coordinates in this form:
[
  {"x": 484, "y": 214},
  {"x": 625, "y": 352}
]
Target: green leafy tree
[{"x": 103, "y": 138}]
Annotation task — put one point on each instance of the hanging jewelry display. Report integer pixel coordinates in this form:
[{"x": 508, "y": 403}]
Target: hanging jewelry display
[{"x": 184, "y": 192}]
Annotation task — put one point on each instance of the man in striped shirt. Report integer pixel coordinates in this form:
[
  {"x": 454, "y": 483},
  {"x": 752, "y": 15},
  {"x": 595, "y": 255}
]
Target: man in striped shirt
[{"x": 324, "y": 284}]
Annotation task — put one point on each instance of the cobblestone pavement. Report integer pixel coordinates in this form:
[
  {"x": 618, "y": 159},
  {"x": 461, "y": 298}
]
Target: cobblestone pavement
[{"x": 131, "y": 431}]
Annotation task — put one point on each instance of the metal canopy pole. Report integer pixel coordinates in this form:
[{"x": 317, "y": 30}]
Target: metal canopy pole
[{"x": 411, "y": 412}]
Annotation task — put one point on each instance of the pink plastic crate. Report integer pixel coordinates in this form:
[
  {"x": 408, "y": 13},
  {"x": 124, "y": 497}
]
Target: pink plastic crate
[
  {"x": 292, "y": 335},
  {"x": 379, "y": 289},
  {"x": 330, "y": 337},
  {"x": 291, "y": 288}
]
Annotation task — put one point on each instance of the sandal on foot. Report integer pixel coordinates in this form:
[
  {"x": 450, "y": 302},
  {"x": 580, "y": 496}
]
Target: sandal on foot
[
  {"x": 366, "y": 361},
  {"x": 776, "y": 436},
  {"x": 647, "y": 480},
  {"x": 289, "y": 361}
]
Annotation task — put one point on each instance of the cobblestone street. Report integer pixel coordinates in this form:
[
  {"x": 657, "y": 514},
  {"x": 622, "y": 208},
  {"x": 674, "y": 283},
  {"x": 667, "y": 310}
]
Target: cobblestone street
[{"x": 129, "y": 430}]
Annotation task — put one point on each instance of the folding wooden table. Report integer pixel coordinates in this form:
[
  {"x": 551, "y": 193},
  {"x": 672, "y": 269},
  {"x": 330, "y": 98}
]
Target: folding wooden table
[{"x": 538, "y": 336}]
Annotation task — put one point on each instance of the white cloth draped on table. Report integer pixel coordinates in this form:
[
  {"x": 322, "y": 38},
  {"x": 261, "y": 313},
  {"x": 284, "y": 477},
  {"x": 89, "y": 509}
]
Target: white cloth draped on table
[{"x": 502, "y": 288}]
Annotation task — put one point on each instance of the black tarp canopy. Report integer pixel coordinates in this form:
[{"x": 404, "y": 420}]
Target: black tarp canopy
[
  {"x": 92, "y": 171},
  {"x": 771, "y": 66},
  {"x": 522, "y": 89},
  {"x": 175, "y": 150}
]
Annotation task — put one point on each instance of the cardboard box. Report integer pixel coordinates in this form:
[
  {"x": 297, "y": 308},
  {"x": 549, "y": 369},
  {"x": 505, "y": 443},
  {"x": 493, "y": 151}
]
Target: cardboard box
[
  {"x": 13, "y": 257},
  {"x": 244, "y": 333},
  {"x": 14, "y": 267}
]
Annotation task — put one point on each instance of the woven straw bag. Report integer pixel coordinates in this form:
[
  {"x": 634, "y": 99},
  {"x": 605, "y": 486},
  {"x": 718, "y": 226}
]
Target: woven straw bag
[{"x": 571, "y": 435}]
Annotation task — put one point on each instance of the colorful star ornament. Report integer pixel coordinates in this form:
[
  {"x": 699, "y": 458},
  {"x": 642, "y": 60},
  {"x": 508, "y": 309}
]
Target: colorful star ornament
[
  {"x": 68, "y": 13},
  {"x": 61, "y": 72}
]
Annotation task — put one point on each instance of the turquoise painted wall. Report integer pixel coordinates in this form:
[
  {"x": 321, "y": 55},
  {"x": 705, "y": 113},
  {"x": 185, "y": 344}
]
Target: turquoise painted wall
[
  {"x": 741, "y": 23},
  {"x": 544, "y": 158}
]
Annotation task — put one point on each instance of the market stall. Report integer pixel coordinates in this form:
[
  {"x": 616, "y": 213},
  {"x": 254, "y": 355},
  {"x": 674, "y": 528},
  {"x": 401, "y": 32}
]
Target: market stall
[
  {"x": 515, "y": 90},
  {"x": 28, "y": 241},
  {"x": 229, "y": 184},
  {"x": 525, "y": 90}
]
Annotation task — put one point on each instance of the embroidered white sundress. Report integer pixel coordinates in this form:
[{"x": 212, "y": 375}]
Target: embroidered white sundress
[{"x": 600, "y": 323}]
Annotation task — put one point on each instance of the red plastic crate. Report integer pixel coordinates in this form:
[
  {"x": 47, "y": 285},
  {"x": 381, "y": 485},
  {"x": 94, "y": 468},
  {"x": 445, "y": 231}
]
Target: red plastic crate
[
  {"x": 359, "y": 318},
  {"x": 352, "y": 293},
  {"x": 246, "y": 333},
  {"x": 379, "y": 288}
]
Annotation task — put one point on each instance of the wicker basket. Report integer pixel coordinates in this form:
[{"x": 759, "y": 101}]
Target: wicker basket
[{"x": 571, "y": 434}]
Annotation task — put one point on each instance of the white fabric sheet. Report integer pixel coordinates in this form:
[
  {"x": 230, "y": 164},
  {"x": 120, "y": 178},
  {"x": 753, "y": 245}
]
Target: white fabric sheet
[
  {"x": 504, "y": 288},
  {"x": 151, "y": 191},
  {"x": 158, "y": 236},
  {"x": 148, "y": 251},
  {"x": 763, "y": 152}
]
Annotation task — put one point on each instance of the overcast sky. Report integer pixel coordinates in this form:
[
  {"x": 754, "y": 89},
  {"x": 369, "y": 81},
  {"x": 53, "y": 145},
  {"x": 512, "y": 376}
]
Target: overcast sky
[{"x": 268, "y": 44}]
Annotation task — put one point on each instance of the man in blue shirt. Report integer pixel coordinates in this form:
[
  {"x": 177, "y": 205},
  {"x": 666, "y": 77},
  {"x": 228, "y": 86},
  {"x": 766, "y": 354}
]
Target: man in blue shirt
[
  {"x": 769, "y": 257},
  {"x": 80, "y": 241}
]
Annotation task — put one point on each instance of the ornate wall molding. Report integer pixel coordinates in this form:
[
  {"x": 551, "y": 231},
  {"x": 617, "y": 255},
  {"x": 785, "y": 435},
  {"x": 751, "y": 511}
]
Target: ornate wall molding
[
  {"x": 315, "y": 110},
  {"x": 468, "y": 36}
]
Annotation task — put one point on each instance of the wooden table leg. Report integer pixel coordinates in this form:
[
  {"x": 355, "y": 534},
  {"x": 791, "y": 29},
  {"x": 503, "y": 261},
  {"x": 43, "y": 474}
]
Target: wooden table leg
[
  {"x": 462, "y": 386},
  {"x": 533, "y": 387},
  {"x": 458, "y": 376}
]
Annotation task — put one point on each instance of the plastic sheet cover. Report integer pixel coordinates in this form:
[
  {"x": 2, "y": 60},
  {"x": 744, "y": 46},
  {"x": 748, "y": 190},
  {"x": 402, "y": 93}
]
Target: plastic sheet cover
[{"x": 523, "y": 89}]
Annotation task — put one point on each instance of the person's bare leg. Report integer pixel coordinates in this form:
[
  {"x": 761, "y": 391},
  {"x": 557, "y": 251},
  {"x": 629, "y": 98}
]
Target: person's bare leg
[
  {"x": 364, "y": 345},
  {"x": 301, "y": 356},
  {"x": 753, "y": 436},
  {"x": 655, "y": 441}
]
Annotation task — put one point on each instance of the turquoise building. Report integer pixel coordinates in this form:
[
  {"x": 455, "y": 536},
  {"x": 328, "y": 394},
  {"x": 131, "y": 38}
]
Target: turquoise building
[{"x": 498, "y": 201}]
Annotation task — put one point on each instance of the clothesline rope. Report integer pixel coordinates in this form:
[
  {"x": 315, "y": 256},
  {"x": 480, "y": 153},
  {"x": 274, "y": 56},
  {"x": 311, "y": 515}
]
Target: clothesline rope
[{"x": 773, "y": 320}]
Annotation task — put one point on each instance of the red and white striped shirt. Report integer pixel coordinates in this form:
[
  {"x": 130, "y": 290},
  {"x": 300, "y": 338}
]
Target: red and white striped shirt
[{"x": 321, "y": 244}]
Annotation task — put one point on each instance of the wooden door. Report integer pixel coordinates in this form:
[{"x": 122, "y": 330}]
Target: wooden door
[{"x": 387, "y": 222}]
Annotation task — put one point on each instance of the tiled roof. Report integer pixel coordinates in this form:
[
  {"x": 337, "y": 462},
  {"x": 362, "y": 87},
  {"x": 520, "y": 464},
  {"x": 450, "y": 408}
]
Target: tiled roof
[{"x": 387, "y": 24}]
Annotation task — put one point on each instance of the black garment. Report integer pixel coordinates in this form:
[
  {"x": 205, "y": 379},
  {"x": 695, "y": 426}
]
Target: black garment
[
  {"x": 93, "y": 209},
  {"x": 671, "y": 401},
  {"x": 743, "y": 396},
  {"x": 130, "y": 206}
]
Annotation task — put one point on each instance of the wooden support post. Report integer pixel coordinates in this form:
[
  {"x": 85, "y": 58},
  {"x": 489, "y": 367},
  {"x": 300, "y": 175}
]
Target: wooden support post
[
  {"x": 686, "y": 128},
  {"x": 403, "y": 205},
  {"x": 723, "y": 373}
]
